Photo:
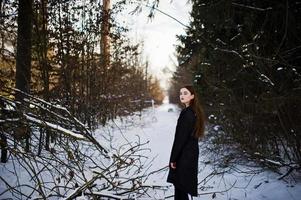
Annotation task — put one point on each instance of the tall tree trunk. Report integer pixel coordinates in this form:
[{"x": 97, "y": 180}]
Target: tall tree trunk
[
  {"x": 3, "y": 141},
  {"x": 2, "y": 13},
  {"x": 40, "y": 22},
  {"x": 3, "y": 145},
  {"x": 105, "y": 40},
  {"x": 23, "y": 59},
  {"x": 45, "y": 64},
  {"x": 104, "y": 61},
  {"x": 44, "y": 49}
]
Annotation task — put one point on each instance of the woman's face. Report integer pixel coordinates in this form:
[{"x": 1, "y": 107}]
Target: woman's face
[{"x": 185, "y": 96}]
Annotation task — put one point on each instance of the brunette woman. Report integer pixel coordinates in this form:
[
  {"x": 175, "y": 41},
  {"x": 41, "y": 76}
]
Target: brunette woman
[{"x": 183, "y": 165}]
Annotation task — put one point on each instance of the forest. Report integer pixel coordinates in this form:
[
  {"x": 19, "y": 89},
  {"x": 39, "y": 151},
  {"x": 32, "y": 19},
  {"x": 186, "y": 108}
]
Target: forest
[
  {"x": 244, "y": 58},
  {"x": 67, "y": 68}
]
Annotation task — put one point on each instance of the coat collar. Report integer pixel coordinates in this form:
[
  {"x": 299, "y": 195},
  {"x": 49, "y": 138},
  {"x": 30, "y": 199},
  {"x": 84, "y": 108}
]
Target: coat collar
[{"x": 187, "y": 109}]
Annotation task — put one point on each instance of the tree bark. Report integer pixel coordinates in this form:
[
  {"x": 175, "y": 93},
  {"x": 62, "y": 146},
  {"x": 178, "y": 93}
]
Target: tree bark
[
  {"x": 23, "y": 58},
  {"x": 3, "y": 144},
  {"x": 105, "y": 40}
]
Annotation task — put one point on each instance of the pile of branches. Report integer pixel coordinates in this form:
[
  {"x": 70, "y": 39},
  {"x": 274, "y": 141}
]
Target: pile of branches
[{"x": 73, "y": 163}]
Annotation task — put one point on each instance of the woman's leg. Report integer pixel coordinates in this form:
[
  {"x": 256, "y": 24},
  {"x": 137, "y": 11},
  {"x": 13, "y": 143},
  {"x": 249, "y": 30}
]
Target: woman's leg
[{"x": 180, "y": 195}]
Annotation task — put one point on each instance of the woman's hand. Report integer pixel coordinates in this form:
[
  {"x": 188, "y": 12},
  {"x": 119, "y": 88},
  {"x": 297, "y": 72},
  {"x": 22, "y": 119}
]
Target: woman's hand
[{"x": 173, "y": 165}]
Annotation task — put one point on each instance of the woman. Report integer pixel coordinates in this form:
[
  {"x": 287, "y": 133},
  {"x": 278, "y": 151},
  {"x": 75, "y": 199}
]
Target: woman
[{"x": 183, "y": 167}]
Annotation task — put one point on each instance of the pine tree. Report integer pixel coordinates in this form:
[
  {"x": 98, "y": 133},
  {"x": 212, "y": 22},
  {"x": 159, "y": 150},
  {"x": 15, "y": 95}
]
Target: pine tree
[{"x": 243, "y": 57}]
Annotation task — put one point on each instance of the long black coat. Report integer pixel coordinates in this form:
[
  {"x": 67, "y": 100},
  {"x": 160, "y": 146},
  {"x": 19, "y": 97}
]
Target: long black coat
[{"x": 185, "y": 153}]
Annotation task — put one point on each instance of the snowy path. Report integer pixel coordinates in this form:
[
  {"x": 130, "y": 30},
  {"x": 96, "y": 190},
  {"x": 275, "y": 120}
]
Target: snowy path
[
  {"x": 157, "y": 127},
  {"x": 159, "y": 131}
]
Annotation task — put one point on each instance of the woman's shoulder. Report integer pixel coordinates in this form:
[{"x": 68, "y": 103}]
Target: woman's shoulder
[{"x": 188, "y": 111}]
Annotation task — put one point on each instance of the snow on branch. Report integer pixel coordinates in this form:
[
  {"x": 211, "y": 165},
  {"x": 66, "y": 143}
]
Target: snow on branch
[
  {"x": 108, "y": 194},
  {"x": 251, "y": 7},
  {"x": 75, "y": 164},
  {"x": 229, "y": 51},
  {"x": 55, "y": 127},
  {"x": 264, "y": 78},
  {"x": 49, "y": 116}
]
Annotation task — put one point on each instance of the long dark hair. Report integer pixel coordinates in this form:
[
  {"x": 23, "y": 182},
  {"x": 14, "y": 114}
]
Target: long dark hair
[{"x": 199, "y": 111}]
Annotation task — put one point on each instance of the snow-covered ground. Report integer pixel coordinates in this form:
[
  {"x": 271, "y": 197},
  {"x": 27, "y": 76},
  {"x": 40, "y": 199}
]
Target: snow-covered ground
[
  {"x": 243, "y": 182},
  {"x": 156, "y": 127}
]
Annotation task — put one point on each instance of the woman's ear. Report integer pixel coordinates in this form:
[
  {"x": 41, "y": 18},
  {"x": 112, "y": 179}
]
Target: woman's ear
[{"x": 192, "y": 96}]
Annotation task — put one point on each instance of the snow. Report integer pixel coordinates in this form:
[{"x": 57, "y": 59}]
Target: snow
[
  {"x": 156, "y": 129},
  {"x": 229, "y": 51},
  {"x": 10, "y": 120},
  {"x": 266, "y": 79},
  {"x": 108, "y": 194},
  {"x": 204, "y": 63},
  {"x": 256, "y": 184},
  {"x": 252, "y": 7},
  {"x": 56, "y": 127},
  {"x": 274, "y": 162}
]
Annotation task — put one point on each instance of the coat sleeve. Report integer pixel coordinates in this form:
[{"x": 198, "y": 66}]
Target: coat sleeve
[{"x": 184, "y": 130}]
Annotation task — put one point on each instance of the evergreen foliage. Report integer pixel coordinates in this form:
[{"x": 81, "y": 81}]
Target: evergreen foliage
[{"x": 244, "y": 58}]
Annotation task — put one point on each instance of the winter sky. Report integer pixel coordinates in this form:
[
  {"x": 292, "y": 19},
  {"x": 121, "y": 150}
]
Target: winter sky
[{"x": 159, "y": 34}]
